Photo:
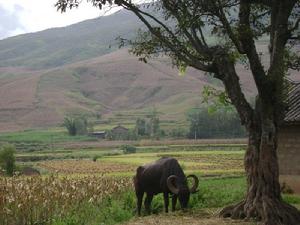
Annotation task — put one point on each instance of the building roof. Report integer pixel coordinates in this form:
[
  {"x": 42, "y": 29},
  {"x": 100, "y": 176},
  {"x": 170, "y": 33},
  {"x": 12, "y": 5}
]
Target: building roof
[
  {"x": 99, "y": 132},
  {"x": 293, "y": 100},
  {"x": 119, "y": 127}
]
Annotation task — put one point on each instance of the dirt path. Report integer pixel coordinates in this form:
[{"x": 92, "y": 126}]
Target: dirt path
[{"x": 193, "y": 218}]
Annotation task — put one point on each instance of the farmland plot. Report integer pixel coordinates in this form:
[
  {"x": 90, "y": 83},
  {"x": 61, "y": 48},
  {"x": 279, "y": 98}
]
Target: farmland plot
[
  {"x": 84, "y": 167},
  {"x": 38, "y": 200},
  {"x": 203, "y": 162},
  {"x": 85, "y": 192},
  {"x": 206, "y": 163}
]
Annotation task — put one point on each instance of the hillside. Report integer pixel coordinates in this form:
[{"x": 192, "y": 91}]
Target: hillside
[
  {"x": 59, "y": 46},
  {"x": 115, "y": 85},
  {"x": 48, "y": 74}
]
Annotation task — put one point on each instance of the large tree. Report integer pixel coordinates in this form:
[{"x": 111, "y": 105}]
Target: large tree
[{"x": 213, "y": 36}]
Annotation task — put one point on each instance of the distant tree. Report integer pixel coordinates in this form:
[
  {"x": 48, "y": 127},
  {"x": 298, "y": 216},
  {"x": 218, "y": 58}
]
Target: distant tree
[
  {"x": 148, "y": 126},
  {"x": 69, "y": 123},
  {"x": 99, "y": 116},
  {"x": 155, "y": 126},
  {"x": 218, "y": 123},
  {"x": 140, "y": 127},
  {"x": 76, "y": 125},
  {"x": 184, "y": 30},
  {"x": 81, "y": 124},
  {"x": 178, "y": 133},
  {"x": 7, "y": 159}
]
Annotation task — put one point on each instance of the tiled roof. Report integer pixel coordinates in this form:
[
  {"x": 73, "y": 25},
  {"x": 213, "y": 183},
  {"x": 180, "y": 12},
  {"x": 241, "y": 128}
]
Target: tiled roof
[{"x": 293, "y": 100}]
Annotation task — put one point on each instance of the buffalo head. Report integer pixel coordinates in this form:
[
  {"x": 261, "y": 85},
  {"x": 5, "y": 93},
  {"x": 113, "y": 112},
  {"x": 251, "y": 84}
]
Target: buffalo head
[{"x": 181, "y": 189}]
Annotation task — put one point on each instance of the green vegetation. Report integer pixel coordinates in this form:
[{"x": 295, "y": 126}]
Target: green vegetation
[
  {"x": 40, "y": 140},
  {"x": 220, "y": 171},
  {"x": 222, "y": 122},
  {"x": 128, "y": 149},
  {"x": 213, "y": 194},
  {"x": 149, "y": 126},
  {"x": 7, "y": 159},
  {"x": 76, "y": 125}
]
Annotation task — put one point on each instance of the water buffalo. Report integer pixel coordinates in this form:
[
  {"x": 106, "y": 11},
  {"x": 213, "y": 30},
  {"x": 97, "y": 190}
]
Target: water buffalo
[{"x": 163, "y": 176}]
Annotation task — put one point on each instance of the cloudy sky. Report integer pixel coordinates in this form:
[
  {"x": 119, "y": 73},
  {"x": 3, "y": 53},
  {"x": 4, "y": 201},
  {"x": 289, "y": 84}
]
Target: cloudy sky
[{"x": 23, "y": 16}]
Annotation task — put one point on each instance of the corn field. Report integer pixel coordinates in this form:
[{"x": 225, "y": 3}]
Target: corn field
[{"x": 36, "y": 200}]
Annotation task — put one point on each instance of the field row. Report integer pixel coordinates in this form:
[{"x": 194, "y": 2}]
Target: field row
[{"x": 200, "y": 162}]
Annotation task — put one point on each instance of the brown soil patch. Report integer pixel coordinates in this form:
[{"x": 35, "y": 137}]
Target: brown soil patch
[{"x": 185, "y": 219}]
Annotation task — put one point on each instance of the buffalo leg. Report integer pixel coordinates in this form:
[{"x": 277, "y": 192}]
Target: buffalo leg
[
  {"x": 147, "y": 203},
  {"x": 174, "y": 200},
  {"x": 166, "y": 200},
  {"x": 139, "y": 196}
]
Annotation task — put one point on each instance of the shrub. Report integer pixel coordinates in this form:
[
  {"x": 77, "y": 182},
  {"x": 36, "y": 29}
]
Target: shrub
[
  {"x": 128, "y": 149},
  {"x": 95, "y": 158},
  {"x": 7, "y": 159}
]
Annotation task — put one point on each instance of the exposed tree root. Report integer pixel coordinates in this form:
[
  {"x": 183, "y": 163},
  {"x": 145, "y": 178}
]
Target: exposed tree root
[{"x": 267, "y": 210}]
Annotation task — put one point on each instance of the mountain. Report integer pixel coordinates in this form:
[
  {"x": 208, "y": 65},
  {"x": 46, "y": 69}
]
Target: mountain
[
  {"x": 59, "y": 46},
  {"x": 47, "y": 75}
]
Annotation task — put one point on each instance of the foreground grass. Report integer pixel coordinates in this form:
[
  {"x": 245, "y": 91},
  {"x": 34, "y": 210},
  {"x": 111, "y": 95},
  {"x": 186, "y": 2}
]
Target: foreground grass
[{"x": 213, "y": 195}]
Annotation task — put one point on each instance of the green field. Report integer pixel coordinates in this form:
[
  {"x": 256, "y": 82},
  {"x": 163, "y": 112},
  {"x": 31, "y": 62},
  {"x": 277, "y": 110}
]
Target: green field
[{"x": 94, "y": 186}]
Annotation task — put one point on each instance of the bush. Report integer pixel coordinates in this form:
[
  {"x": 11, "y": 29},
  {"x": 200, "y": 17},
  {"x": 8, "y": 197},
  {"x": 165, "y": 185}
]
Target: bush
[
  {"x": 96, "y": 157},
  {"x": 128, "y": 149},
  {"x": 7, "y": 159}
]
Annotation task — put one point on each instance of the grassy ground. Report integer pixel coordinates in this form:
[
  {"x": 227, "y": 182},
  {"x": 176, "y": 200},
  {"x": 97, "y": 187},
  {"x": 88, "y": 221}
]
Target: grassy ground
[{"x": 204, "y": 206}]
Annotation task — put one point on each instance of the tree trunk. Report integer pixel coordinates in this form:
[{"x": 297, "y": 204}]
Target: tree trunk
[{"x": 263, "y": 200}]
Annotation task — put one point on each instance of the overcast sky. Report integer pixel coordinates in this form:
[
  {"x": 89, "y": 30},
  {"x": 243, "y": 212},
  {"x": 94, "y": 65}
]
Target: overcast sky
[{"x": 23, "y": 16}]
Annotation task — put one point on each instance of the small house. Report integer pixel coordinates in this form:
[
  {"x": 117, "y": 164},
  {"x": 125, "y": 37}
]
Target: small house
[
  {"x": 98, "y": 134},
  {"x": 289, "y": 142},
  {"x": 119, "y": 132}
]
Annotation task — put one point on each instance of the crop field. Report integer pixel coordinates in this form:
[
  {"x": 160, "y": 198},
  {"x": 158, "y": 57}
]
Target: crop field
[
  {"x": 205, "y": 163},
  {"x": 201, "y": 162},
  {"x": 84, "y": 167},
  {"x": 95, "y": 186},
  {"x": 38, "y": 200}
]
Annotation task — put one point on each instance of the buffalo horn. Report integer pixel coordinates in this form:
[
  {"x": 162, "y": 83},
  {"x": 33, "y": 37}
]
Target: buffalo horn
[
  {"x": 170, "y": 184},
  {"x": 193, "y": 189}
]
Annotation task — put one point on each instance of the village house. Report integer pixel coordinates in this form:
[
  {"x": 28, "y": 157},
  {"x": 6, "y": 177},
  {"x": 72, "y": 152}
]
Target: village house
[
  {"x": 289, "y": 142},
  {"x": 119, "y": 131}
]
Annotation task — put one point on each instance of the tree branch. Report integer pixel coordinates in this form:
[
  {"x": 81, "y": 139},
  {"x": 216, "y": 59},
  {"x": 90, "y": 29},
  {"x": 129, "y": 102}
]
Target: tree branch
[
  {"x": 181, "y": 52},
  {"x": 248, "y": 44},
  {"x": 227, "y": 72},
  {"x": 225, "y": 22}
]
